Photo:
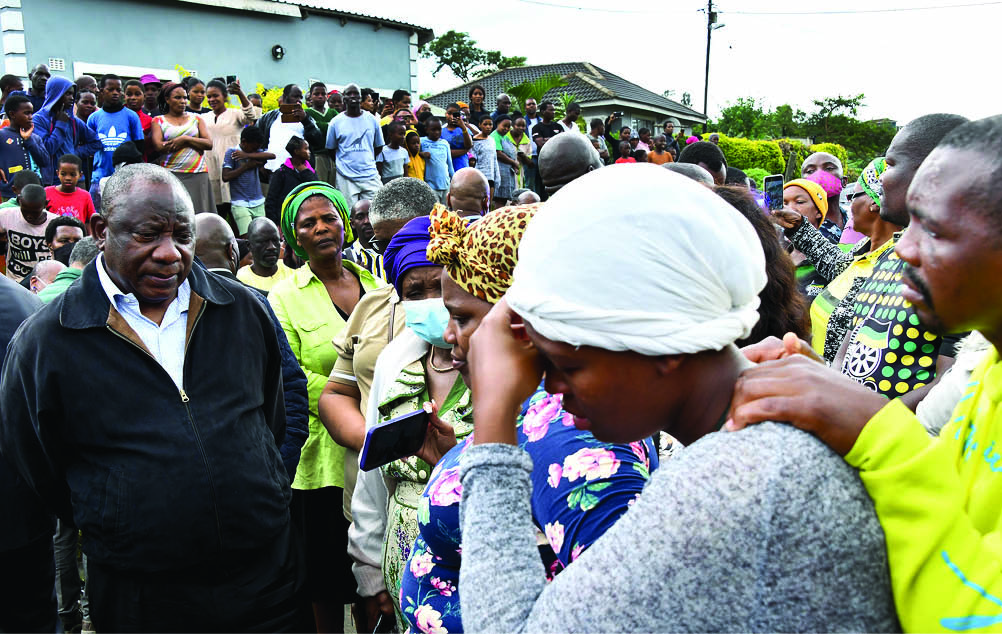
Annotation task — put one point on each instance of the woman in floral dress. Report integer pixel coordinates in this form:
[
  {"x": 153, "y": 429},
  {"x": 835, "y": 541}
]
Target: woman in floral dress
[{"x": 580, "y": 486}]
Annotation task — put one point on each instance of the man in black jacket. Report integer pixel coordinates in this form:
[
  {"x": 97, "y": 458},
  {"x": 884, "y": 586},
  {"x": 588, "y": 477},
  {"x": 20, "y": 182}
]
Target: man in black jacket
[
  {"x": 216, "y": 248},
  {"x": 145, "y": 403},
  {"x": 27, "y": 596}
]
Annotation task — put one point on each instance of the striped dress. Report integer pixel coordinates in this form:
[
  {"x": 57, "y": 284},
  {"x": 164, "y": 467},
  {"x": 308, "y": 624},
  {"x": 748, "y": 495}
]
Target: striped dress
[{"x": 187, "y": 160}]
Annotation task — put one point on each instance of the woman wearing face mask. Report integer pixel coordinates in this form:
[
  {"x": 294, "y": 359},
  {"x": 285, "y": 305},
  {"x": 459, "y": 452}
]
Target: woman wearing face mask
[
  {"x": 738, "y": 532},
  {"x": 313, "y": 306},
  {"x": 580, "y": 486},
  {"x": 414, "y": 369}
]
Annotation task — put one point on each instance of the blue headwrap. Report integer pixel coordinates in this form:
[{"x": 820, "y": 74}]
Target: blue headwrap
[{"x": 407, "y": 250}]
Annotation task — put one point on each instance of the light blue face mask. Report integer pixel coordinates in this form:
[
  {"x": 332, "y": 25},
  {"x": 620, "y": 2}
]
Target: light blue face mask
[{"x": 428, "y": 319}]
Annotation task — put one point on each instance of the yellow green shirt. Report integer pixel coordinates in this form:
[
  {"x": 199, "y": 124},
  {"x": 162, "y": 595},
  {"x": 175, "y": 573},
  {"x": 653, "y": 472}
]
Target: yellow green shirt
[
  {"x": 939, "y": 500},
  {"x": 310, "y": 321},
  {"x": 250, "y": 278}
]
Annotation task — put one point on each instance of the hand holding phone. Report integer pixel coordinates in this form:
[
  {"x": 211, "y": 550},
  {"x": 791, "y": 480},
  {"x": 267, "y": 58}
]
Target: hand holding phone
[
  {"x": 773, "y": 188},
  {"x": 398, "y": 438}
]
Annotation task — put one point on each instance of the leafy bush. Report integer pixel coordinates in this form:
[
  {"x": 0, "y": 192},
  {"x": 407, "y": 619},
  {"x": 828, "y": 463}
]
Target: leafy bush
[
  {"x": 745, "y": 153},
  {"x": 269, "y": 96},
  {"x": 758, "y": 175}
]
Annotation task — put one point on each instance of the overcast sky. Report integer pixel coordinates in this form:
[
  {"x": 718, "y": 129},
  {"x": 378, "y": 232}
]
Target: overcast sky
[{"x": 907, "y": 63}]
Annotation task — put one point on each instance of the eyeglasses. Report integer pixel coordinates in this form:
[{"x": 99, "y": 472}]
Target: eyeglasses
[{"x": 853, "y": 197}]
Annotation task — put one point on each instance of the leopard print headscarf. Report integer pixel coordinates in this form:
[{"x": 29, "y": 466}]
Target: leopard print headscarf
[{"x": 479, "y": 257}]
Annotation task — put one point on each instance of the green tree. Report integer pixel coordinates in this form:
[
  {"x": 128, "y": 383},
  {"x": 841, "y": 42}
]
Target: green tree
[
  {"x": 745, "y": 118},
  {"x": 464, "y": 58},
  {"x": 535, "y": 89},
  {"x": 786, "y": 122}
]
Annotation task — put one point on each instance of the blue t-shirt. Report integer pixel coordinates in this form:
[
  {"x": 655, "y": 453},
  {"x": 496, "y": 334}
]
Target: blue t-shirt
[
  {"x": 113, "y": 129},
  {"x": 455, "y": 140},
  {"x": 438, "y": 168},
  {"x": 245, "y": 188},
  {"x": 352, "y": 141}
]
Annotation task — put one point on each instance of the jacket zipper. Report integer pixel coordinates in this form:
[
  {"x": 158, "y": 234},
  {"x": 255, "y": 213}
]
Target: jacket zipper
[{"x": 191, "y": 420}]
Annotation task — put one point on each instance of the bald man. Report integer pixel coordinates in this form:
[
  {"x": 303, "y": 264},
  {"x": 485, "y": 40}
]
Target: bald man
[
  {"x": 44, "y": 273},
  {"x": 693, "y": 171},
  {"x": 216, "y": 248},
  {"x": 564, "y": 158},
  {"x": 215, "y": 245},
  {"x": 470, "y": 193}
]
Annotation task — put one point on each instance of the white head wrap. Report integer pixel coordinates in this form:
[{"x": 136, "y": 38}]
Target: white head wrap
[{"x": 635, "y": 257}]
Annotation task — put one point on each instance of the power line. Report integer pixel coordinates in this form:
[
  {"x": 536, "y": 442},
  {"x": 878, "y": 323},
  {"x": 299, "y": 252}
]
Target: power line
[{"x": 856, "y": 11}]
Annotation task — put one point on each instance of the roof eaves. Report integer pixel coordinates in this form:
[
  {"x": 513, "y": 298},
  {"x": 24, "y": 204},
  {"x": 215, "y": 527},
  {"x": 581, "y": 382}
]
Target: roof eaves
[{"x": 424, "y": 34}]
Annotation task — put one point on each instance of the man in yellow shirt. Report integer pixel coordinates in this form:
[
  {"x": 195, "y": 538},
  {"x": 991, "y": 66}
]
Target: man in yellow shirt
[
  {"x": 937, "y": 498},
  {"x": 267, "y": 269}
]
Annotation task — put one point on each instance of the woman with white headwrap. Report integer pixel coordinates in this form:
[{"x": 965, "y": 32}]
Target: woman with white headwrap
[{"x": 746, "y": 531}]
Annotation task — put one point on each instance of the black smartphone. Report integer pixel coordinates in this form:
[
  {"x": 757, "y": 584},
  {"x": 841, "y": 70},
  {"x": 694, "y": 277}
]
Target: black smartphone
[
  {"x": 230, "y": 79},
  {"x": 375, "y": 98},
  {"x": 773, "y": 186},
  {"x": 394, "y": 439}
]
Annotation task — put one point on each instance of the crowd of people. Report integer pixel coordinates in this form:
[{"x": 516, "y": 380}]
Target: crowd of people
[{"x": 772, "y": 405}]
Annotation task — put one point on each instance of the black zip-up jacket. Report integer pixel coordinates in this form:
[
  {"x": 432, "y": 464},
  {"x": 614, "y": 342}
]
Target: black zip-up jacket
[
  {"x": 311, "y": 132},
  {"x": 157, "y": 478}
]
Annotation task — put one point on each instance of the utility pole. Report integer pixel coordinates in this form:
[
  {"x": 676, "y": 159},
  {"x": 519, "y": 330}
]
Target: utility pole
[{"x": 711, "y": 18}]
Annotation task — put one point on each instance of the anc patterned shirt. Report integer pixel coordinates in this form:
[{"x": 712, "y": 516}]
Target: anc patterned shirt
[{"x": 889, "y": 351}]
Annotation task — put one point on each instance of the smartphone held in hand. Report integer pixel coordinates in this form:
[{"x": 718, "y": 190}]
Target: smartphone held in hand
[{"x": 394, "y": 439}]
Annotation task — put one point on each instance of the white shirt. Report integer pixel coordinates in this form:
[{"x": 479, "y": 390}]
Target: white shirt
[
  {"x": 164, "y": 341},
  {"x": 278, "y": 137},
  {"x": 569, "y": 128}
]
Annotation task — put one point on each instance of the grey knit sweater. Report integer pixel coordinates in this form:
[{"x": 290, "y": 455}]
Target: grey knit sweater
[{"x": 761, "y": 530}]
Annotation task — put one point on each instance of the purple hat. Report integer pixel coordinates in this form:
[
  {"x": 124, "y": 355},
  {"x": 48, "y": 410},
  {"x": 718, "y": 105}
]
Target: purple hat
[
  {"x": 408, "y": 250},
  {"x": 150, "y": 78}
]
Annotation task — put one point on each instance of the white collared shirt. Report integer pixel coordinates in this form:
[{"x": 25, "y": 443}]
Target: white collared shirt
[{"x": 164, "y": 341}]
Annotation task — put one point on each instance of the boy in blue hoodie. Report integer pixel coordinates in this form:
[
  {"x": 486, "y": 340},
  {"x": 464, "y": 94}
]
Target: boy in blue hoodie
[
  {"x": 61, "y": 132},
  {"x": 20, "y": 148}
]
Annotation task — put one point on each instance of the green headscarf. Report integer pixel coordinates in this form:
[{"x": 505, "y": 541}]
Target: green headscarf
[
  {"x": 296, "y": 198},
  {"x": 869, "y": 180}
]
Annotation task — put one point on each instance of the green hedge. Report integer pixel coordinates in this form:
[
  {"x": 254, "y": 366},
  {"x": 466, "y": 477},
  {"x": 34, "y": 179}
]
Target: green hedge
[
  {"x": 770, "y": 155},
  {"x": 758, "y": 175}
]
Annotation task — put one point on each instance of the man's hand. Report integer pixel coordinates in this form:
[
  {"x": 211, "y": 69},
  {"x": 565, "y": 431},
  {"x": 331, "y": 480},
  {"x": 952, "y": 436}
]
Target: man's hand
[
  {"x": 381, "y": 604},
  {"x": 387, "y": 109},
  {"x": 26, "y": 134},
  {"x": 809, "y": 396},
  {"x": 786, "y": 219},
  {"x": 298, "y": 114},
  {"x": 771, "y": 349}
]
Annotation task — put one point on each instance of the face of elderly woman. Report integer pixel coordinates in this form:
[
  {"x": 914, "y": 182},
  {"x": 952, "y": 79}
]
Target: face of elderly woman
[
  {"x": 318, "y": 228},
  {"x": 421, "y": 282},
  {"x": 465, "y": 315},
  {"x": 608, "y": 392}
]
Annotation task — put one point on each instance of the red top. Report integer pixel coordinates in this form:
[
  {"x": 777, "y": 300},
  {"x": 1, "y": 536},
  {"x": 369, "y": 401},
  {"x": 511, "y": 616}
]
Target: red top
[
  {"x": 628, "y": 159},
  {"x": 78, "y": 204}
]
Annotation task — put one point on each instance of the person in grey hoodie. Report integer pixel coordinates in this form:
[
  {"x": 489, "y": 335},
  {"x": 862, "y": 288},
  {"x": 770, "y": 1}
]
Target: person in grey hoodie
[{"x": 760, "y": 531}]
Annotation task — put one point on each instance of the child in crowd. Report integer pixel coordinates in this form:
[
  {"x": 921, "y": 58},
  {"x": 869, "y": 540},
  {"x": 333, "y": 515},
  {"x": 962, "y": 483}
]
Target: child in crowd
[
  {"x": 485, "y": 151},
  {"x": 660, "y": 154},
  {"x": 640, "y": 156},
  {"x": 240, "y": 170},
  {"x": 624, "y": 153},
  {"x": 415, "y": 166},
  {"x": 394, "y": 157},
  {"x": 20, "y": 148},
  {"x": 17, "y": 183},
  {"x": 134, "y": 100},
  {"x": 67, "y": 199},
  {"x": 22, "y": 232},
  {"x": 438, "y": 169}
]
